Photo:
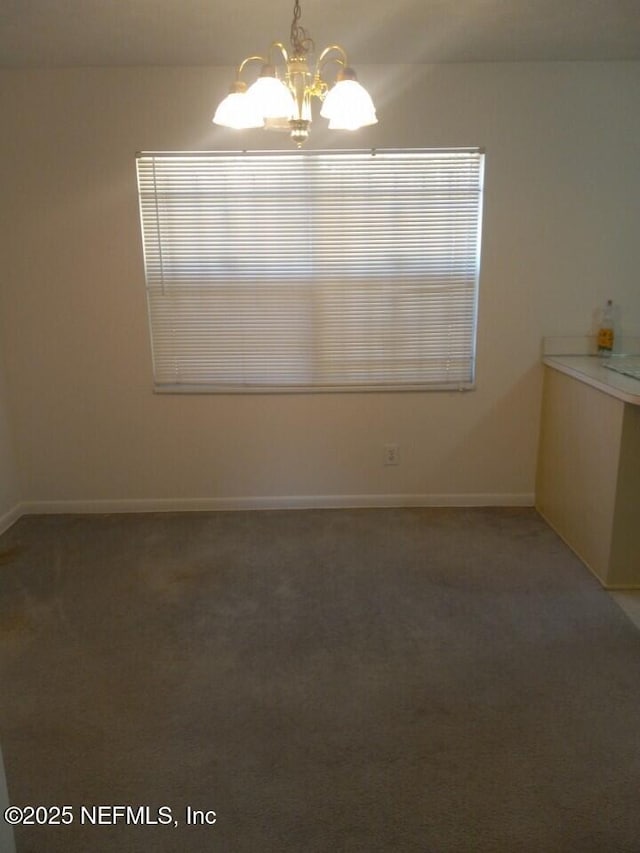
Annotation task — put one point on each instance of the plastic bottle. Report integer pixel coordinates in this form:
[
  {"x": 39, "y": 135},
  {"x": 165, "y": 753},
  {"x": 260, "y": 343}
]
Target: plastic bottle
[{"x": 605, "y": 332}]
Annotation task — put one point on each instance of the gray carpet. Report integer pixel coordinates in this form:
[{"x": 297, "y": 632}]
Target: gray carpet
[{"x": 425, "y": 680}]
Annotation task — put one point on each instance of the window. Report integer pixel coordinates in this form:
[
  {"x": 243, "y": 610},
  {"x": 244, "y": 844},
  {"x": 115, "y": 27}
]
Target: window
[{"x": 298, "y": 271}]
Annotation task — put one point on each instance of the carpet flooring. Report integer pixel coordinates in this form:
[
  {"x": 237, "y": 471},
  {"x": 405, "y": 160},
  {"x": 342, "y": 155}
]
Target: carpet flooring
[{"x": 428, "y": 680}]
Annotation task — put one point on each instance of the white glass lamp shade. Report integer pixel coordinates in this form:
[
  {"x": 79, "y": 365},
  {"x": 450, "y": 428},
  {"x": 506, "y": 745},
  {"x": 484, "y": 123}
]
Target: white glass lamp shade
[
  {"x": 271, "y": 99},
  {"x": 348, "y": 106},
  {"x": 238, "y": 111}
]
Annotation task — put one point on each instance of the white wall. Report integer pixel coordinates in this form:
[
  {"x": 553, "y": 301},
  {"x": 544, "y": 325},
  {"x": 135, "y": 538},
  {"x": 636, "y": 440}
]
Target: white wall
[{"x": 561, "y": 218}]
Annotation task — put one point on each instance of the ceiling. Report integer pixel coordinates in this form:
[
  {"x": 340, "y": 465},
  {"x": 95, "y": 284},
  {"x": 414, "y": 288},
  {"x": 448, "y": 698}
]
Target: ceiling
[{"x": 60, "y": 33}]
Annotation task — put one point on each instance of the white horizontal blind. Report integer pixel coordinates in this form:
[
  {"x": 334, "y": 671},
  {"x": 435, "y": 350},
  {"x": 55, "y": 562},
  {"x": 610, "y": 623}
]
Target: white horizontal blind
[{"x": 312, "y": 270}]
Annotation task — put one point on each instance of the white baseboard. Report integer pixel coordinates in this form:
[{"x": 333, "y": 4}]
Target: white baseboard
[{"x": 271, "y": 502}]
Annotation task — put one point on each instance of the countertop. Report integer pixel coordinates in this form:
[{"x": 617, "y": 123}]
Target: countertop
[{"x": 590, "y": 369}]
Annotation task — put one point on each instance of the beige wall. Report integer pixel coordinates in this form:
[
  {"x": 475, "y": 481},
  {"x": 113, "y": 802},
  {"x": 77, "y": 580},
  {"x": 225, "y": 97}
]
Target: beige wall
[
  {"x": 9, "y": 493},
  {"x": 561, "y": 218},
  {"x": 9, "y": 486}
]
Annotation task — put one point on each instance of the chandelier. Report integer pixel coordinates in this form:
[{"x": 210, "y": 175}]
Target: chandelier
[{"x": 281, "y": 97}]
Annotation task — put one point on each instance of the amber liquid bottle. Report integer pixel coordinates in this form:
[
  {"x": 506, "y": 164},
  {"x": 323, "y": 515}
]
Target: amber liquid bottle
[{"x": 605, "y": 332}]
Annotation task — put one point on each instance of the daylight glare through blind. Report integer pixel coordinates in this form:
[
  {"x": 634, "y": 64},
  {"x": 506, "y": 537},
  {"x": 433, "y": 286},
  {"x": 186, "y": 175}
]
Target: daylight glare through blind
[{"x": 313, "y": 270}]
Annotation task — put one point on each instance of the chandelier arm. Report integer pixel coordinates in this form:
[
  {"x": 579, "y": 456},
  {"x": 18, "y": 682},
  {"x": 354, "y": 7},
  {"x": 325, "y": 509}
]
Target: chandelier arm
[
  {"x": 324, "y": 57},
  {"x": 246, "y": 61},
  {"x": 284, "y": 53}
]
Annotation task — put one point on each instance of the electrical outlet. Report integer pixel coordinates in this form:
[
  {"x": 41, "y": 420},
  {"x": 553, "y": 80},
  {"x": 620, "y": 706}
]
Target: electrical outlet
[{"x": 391, "y": 454}]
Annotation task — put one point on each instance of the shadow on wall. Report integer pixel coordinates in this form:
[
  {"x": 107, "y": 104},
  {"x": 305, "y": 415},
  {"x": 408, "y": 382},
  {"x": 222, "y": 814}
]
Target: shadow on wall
[{"x": 507, "y": 424}]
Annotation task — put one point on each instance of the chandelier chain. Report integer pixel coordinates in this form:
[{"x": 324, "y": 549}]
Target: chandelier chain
[{"x": 301, "y": 41}]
